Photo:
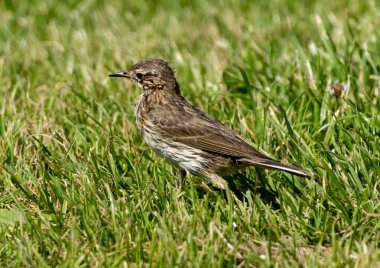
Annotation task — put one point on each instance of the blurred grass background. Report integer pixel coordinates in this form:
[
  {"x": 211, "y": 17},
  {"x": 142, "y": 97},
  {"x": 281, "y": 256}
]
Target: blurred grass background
[{"x": 79, "y": 188}]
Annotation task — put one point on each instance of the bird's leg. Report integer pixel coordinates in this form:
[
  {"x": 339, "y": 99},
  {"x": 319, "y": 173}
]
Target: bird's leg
[
  {"x": 220, "y": 183},
  {"x": 217, "y": 180},
  {"x": 181, "y": 178},
  {"x": 228, "y": 195}
]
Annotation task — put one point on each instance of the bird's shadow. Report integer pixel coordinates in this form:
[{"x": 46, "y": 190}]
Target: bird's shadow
[{"x": 240, "y": 183}]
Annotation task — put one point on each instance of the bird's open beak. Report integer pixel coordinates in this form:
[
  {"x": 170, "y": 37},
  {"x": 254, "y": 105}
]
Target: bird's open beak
[{"x": 121, "y": 74}]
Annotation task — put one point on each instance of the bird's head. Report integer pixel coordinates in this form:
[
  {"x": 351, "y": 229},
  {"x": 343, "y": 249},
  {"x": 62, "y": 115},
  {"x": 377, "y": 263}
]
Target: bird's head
[{"x": 151, "y": 75}]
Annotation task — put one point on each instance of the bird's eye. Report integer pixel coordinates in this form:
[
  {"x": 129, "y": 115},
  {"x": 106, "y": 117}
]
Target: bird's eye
[{"x": 139, "y": 75}]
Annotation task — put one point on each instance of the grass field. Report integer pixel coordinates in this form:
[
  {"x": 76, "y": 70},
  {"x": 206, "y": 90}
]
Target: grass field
[{"x": 79, "y": 188}]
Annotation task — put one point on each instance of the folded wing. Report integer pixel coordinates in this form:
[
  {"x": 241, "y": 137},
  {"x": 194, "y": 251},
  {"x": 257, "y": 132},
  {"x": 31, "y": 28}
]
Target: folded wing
[{"x": 196, "y": 129}]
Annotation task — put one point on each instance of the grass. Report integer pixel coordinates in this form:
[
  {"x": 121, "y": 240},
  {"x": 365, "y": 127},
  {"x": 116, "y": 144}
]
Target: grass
[{"x": 79, "y": 188}]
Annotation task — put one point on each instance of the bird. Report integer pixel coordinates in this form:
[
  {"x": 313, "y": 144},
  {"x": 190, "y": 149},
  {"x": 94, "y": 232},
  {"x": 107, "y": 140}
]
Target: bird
[{"x": 186, "y": 136}]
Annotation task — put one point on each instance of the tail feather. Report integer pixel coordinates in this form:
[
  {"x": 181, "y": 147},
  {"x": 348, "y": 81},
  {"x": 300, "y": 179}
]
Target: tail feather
[{"x": 273, "y": 164}]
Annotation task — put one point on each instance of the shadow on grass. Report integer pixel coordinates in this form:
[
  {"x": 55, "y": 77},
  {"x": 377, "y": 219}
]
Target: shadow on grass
[{"x": 240, "y": 183}]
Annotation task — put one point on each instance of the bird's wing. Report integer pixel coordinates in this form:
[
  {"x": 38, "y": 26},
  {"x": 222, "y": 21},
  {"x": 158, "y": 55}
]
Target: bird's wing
[{"x": 186, "y": 124}]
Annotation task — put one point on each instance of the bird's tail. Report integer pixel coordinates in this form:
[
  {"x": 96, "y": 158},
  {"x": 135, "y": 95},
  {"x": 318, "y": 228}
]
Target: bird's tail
[{"x": 273, "y": 164}]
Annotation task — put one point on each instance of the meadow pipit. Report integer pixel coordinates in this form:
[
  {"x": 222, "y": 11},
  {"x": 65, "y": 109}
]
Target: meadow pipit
[{"x": 186, "y": 136}]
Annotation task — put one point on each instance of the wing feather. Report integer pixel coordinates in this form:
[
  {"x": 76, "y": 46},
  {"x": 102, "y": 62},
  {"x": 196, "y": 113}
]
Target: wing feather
[{"x": 196, "y": 129}]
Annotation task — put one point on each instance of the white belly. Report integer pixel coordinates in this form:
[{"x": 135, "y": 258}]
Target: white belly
[{"x": 179, "y": 154}]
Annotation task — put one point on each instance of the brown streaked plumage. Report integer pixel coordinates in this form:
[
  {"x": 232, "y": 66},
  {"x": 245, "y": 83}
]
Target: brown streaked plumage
[{"x": 186, "y": 136}]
